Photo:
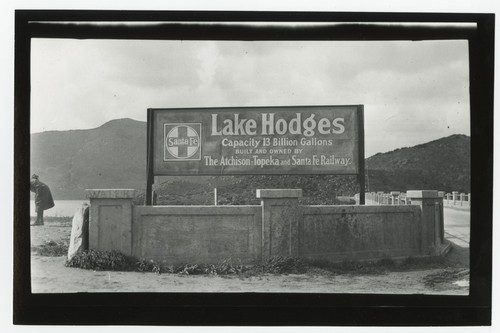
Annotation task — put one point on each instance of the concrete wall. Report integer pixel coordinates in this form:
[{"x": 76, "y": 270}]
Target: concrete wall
[
  {"x": 279, "y": 226},
  {"x": 198, "y": 234},
  {"x": 359, "y": 232}
]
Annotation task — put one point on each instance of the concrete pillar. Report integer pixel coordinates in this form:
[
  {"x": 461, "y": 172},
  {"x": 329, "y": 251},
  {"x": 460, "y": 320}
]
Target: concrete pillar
[
  {"x": 442, "y": 194},
  {"x": 455, "y": 197},
  {"x": 432, "y": 220},
  {"x": 395, "y": 197},
  {"x": 468, "y": 199},
  {"x": 155, "y": 197},
  {"x": 280, "y": 222},
  {"x": 111, "y": 214},
  {"x": 462, "y": 199},
  {"x": 380, "y": 198},
  {"x": 448, "y": 199},
  {"x": 356, "y": 198},
  {"x": 403, "y": 198}
]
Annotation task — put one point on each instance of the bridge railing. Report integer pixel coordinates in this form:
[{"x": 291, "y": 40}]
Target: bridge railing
[{"x": 454, "y": 199}]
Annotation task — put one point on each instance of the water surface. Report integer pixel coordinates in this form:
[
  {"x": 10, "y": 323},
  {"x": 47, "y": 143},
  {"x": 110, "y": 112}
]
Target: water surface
[{"x": 62, "y": 207}]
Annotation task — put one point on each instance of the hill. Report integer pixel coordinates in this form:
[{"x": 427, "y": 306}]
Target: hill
[
  {"x": 443, "y": 164},
  {"x": 114, "y": 155}
]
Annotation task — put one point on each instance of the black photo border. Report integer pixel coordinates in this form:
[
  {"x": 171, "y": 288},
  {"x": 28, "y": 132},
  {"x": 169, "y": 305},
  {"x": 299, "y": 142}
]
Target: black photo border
[{"x": 260, "y": 308}]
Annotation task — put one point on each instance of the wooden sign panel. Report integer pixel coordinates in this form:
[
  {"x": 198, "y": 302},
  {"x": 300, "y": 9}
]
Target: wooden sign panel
[{"x": 256, "y": 140}]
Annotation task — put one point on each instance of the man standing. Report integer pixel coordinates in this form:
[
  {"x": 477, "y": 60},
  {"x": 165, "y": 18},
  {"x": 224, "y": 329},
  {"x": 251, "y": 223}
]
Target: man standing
[{"x": 43, "y": 198}]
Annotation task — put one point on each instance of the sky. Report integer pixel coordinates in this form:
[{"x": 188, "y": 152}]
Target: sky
[{"x": 412, "y": 92}]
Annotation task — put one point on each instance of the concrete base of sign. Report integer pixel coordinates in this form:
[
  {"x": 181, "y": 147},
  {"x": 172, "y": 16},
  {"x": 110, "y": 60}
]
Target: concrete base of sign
[{"x": 279, "y": 226}]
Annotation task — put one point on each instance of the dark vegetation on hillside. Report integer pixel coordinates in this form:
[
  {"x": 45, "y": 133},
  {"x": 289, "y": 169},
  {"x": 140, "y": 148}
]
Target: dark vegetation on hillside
[
  {"x": 241, "y": 190},
  {"x": 114, "y": 156},
  {"x": 442, "y": 164}
]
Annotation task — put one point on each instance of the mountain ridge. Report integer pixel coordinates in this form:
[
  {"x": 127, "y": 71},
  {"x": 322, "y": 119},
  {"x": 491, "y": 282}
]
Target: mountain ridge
[{"x": 114, "y": 155}]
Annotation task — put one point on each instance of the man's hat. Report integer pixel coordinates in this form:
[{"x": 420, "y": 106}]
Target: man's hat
[{"x": 35, "y": 176}]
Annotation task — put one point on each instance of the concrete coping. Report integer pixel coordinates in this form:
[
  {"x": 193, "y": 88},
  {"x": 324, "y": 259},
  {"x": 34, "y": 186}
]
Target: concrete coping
[
  {"x": 441, "y": 194},
  {"x": 110, "y": 193},
  {"x": 422, "y": 194},
  {"x": 279, "y": 193},
  {"x": 395, "y": 193}
]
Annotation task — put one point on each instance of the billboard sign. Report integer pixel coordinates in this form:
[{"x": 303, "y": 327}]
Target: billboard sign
[{"x": 256, "y": 140}]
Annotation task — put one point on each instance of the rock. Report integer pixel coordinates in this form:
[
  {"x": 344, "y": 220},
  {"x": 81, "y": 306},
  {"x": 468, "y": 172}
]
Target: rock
[{"x": 79, "y": 240}]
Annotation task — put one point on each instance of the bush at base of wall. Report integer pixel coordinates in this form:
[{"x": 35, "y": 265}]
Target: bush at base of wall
[{"x": 116, "y": 261}]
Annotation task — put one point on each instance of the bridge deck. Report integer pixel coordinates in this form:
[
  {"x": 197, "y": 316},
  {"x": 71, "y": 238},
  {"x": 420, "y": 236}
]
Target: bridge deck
[{"x": 457, "y": 226}]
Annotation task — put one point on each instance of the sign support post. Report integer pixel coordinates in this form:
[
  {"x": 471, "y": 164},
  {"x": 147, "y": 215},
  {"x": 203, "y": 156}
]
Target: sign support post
[
  {"x": 361, "y": 157},
  {"x": 149, "y": 162}
]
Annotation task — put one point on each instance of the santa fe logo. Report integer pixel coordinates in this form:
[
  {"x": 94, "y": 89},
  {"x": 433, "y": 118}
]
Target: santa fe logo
[{"x": 182, "y": 142}]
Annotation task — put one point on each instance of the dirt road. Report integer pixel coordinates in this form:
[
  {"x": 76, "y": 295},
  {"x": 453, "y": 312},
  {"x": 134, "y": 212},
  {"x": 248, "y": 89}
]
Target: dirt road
[{"x": 457, "y": 226}]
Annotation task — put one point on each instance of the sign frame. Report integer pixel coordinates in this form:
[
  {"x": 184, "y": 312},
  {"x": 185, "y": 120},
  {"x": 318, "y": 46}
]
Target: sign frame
[{"x": 150, "y": 162}]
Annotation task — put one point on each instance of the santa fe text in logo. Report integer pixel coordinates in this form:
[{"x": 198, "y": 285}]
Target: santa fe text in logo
[{"x": 182, "y": 141}]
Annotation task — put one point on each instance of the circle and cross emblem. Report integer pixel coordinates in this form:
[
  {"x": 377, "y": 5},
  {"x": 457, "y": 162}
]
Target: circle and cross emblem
[{"x": 182, "y": 142}]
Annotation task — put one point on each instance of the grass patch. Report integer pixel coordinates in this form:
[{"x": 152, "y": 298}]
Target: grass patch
[
  {"x": 102, "y": 260},
  {"x": 52, "y": 249},
  {"x": 224, "y": 267},
  {"x": 116, "y": 261},
  {"x": 448, "y": 276},
  {"x": 284, "y": 265},
  {"x": 419, "y": 263},
  {"x": 60, "y": 219},
  {"x": 355, "y": 267}
]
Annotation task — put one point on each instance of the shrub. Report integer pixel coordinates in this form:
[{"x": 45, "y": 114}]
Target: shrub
[
  {"x": 423, "y": 262},
  {"x": 102, "y": 260},
  {"x": 228, "y": 267},
  {"x": 448, "y": 276},
  {"x": 224, "y": 267},
  {"x": 284, "y": 265},
  {"x": 116, "y": 261},
  {"x": 144, "y": 265},
  {"x": 190, "y": 269},
  {"x": 52, "y": 249}
]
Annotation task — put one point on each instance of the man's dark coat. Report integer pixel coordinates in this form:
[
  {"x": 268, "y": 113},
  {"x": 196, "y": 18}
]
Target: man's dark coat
[{"x": 43, "y": 197}]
